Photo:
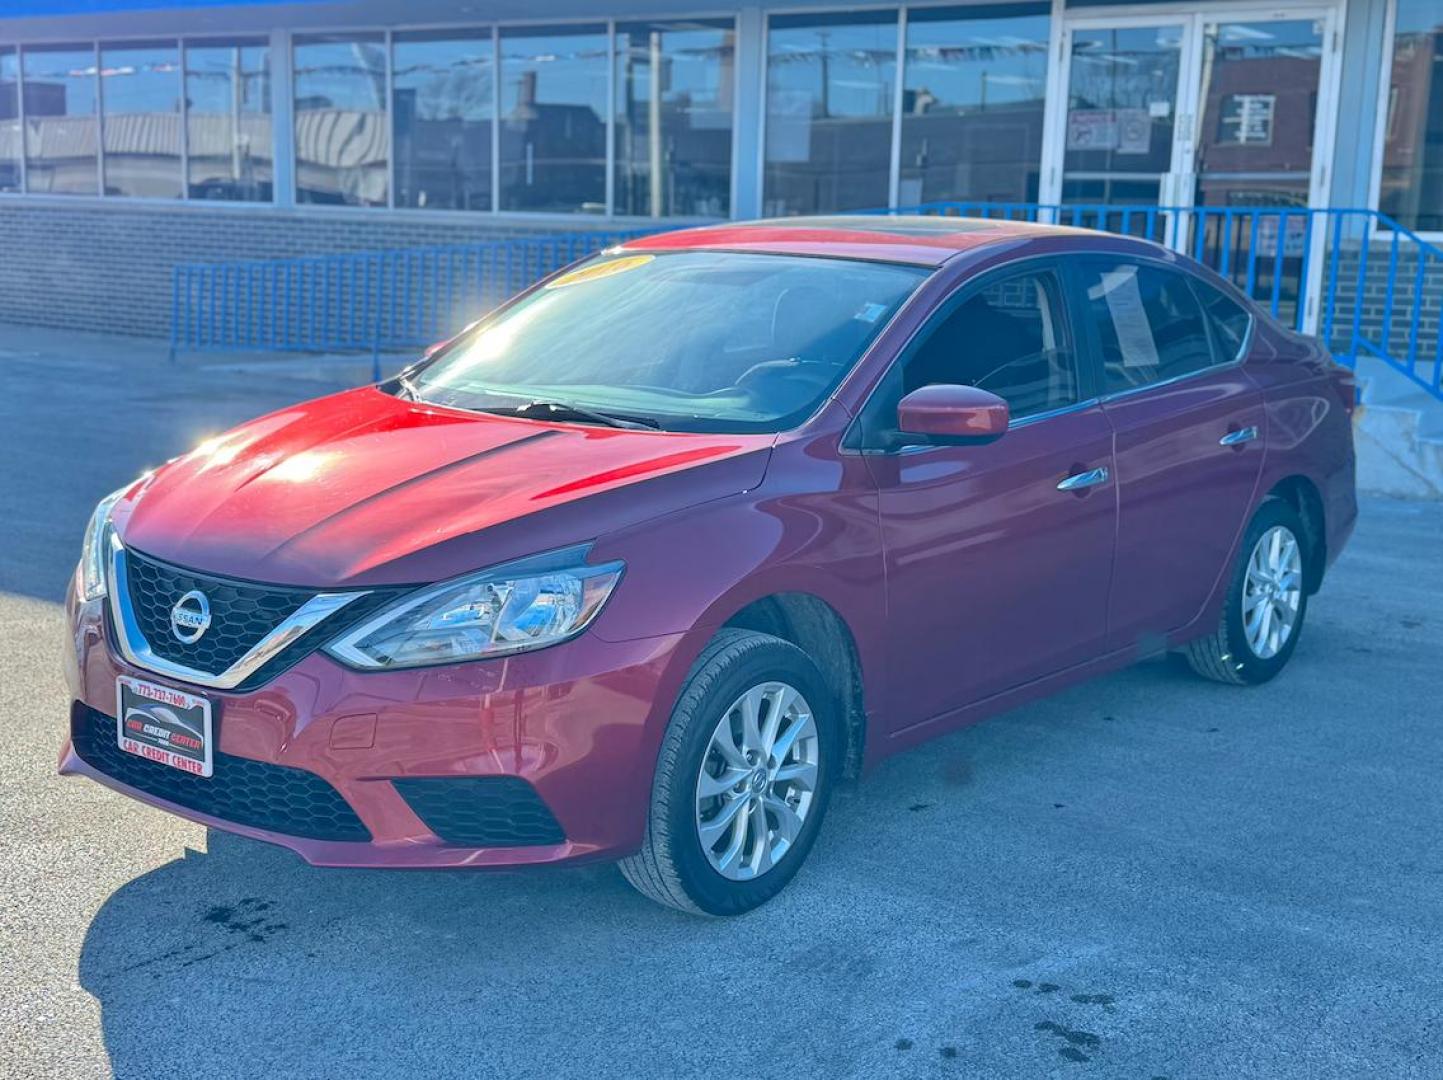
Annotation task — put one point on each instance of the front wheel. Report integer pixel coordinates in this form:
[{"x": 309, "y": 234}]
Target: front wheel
[
  {"x": 742, "y": 779},
  {"x": 1266, "y": 602}
]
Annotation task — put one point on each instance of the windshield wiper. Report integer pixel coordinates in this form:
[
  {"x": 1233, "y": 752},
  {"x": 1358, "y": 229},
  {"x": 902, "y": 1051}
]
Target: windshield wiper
[
  {"x": 407, "y": 389},
  {"x": 563, "y": 410}
]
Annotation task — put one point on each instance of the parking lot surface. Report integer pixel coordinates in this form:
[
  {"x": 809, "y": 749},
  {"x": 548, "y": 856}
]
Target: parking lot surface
[{"x": 1148, "y": 876}]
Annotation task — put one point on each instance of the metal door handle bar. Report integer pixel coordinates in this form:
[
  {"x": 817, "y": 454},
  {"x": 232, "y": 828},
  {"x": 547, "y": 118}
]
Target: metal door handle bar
[
  {"x": 1237, "y": 438},
  {"x": 1088, "y": 479}
]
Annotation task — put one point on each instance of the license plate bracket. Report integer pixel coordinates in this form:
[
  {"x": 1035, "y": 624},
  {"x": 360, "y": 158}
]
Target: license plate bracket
[{"x": 165, "y": 725}]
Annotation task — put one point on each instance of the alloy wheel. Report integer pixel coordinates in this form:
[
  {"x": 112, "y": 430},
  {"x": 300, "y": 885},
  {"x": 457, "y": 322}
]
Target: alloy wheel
[
  {"x": 758, "y": 781},
  {"x": 1272, "y": 592}
]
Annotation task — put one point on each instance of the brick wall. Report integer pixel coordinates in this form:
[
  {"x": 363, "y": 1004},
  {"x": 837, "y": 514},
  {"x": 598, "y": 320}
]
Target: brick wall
[
  {"x": 108, "y": 268},
  {"x": 1375, "y": 301}
]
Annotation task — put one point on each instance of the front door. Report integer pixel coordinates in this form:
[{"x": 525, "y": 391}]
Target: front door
[{"x": 995, "y": 574}]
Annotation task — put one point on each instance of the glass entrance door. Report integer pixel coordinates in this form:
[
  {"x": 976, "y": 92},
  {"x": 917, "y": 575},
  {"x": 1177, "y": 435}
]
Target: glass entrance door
[
  {"x": 1258, "y": 112},
  {"x": 1214, "y": 109},
  {"x": 1121, "y": 133}
]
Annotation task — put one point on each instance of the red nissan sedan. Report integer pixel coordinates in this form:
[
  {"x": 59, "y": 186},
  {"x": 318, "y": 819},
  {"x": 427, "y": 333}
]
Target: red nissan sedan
[{"x": 643, "y": 564}]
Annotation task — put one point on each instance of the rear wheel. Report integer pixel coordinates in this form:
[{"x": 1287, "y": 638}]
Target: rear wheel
[
  {"x": 1266, "y": 603},
  {"x": 742, "y": 780}
]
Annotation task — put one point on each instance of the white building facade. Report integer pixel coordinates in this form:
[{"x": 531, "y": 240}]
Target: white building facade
[{"x": 134, "y": 135}]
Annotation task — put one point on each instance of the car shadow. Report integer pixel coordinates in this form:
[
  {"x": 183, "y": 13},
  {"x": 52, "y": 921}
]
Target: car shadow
[{"x": 241, "y": 959}]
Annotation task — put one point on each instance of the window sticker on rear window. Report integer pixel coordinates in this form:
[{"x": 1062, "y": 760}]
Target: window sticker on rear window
[
  {"x": 600, "y": 270},
  {"x": 870, "y": 312},
  {"x": 1129, "y": 317}
]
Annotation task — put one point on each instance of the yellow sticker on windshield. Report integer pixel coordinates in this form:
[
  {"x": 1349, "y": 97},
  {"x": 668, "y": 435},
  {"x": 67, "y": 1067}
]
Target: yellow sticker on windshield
[{"x": 600, "y": 270}]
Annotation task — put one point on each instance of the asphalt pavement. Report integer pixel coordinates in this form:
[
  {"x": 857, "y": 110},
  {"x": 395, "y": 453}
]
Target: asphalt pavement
[{"x": 1148, "y": 876}]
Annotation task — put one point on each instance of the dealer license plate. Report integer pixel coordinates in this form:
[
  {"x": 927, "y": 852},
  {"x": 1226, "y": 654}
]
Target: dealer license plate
[{"x": 164, "y": 725}]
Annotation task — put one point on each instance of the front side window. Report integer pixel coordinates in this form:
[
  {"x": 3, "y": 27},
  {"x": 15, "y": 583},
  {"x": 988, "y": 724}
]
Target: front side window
[
  {"x": 831, "y": 84},
  {"x": 141, "y": 93},
  {"x": 687, "y": 341},
  {"x": 342, "y": 136},
  {"x": 228, "y": 119},
  {"x": 441, "y": 106},
  {"x": 1148, "y": 323},
  {"x": 1009, "y": 338},
  {"x": 554, "y": 90},
  {"x": 60, "y": 120},
  {"x": 1412, "y": 182},
  {"x": 674, "y": 88}
]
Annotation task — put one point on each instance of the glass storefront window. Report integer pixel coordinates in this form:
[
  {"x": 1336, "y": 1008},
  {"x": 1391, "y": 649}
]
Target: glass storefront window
[
  {"x": 228, "y": 101},
  {"x": 975, "y": 82},
  {"x": 342, "y": 136},
  {"x": 10, "y": 149},
  {"x": 60, "y": 121},
  {"x": 554, "y": 89},
  {"x": 831, "y": 81},
  {"x": 1412, "y": 182},
  {"x": 675, "y": 83},
  {"x": 140, "y": 94},
  {"x": 442, "y": 103}
]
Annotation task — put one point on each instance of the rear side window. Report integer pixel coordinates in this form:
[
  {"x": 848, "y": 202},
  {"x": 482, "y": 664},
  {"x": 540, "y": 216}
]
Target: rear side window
[
  {"x": 1230, "y": 321},
  {"x": 1149, "y": 325}
]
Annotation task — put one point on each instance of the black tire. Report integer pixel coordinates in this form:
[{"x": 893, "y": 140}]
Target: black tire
[
  {"x": 1224, "y": 655},
  {"x": 671, "y": 867}
]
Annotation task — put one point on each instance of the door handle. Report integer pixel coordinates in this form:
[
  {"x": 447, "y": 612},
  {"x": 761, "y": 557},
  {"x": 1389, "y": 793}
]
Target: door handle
[
  {"x": 1078, "y": 481},
  {"x": 1237, "y": 438}
]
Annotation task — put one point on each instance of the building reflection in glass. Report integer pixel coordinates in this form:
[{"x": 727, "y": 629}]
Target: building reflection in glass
[
  {"x": 1260, "y": 105},
  {"x": 442, "y": 102},
  {"x": 675, "y": 84},
  {"x": 831, "y": 84},
  {"x": 228, "y": 123},
  {"x": 342, "y": 138},
  {"x": 554, "y": 89},
  {"x": 972, "y": 104},
  {"x": 140, "y": 95},
  {"x": 11, "y": 150},
  {"x": 60, "y": 120},
  {"x": 1412, "y": 182}
]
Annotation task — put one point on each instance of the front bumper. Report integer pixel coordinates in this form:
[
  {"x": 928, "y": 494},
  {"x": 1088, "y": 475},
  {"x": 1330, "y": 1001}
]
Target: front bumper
[{"x": 574, "y": 727}]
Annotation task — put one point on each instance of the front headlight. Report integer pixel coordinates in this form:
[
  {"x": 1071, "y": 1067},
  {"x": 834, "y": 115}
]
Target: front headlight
[
  {"x": 90, "y": 578},
  {"x": 522, "y": 605}
]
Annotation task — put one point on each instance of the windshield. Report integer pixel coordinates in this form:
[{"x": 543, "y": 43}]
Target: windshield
[{"x": 686, "y": 341}]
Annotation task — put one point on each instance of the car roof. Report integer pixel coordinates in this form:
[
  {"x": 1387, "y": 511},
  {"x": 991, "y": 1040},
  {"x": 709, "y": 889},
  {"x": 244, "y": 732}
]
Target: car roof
[{"x": 923, "y": 240}]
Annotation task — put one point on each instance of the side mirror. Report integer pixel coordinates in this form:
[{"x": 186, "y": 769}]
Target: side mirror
[{"x": 954, "y": 415}]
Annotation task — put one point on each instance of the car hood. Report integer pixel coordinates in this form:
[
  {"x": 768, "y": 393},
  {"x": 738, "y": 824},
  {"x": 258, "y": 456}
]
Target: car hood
[{"x": 363, "y": 488}]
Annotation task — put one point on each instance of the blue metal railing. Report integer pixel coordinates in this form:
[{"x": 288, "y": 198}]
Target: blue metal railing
[
  {"x": 1363, "y": 283},
  {"x": 372, "y": 301}
]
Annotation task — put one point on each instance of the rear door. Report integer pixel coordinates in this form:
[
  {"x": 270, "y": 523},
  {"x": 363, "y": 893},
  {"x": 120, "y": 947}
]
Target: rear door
[{"x": 1188, "y": 423}]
